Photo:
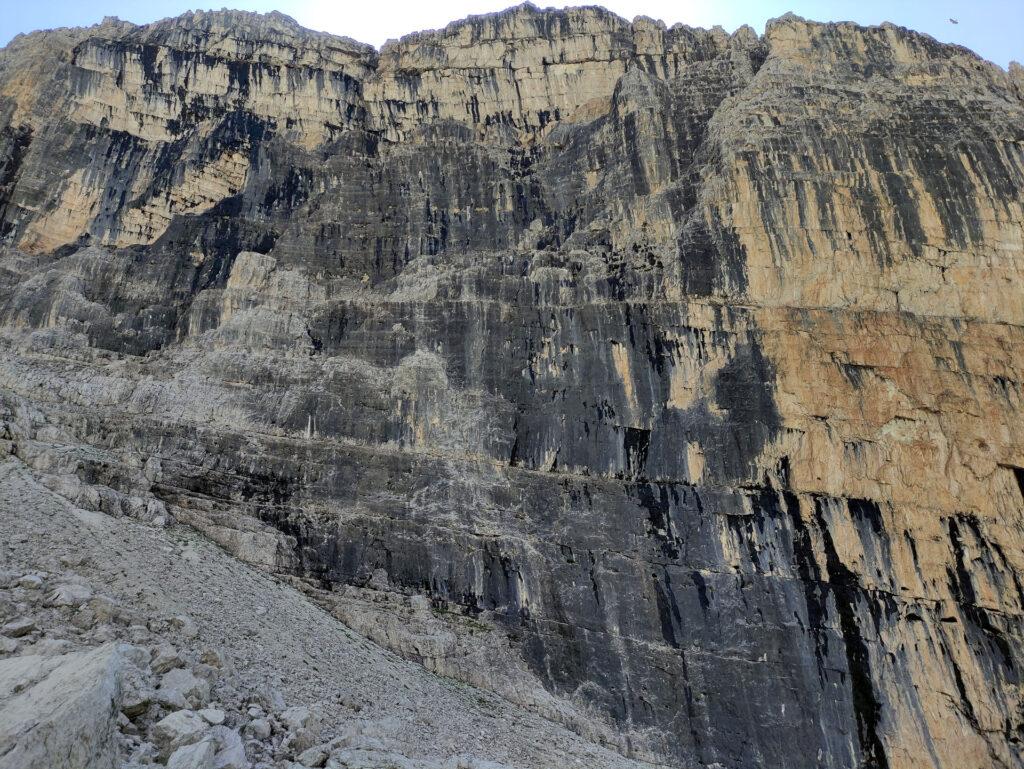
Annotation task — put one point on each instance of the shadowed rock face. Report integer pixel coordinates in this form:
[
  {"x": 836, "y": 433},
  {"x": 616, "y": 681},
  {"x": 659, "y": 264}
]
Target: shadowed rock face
[{"x": 686, "y": 365}]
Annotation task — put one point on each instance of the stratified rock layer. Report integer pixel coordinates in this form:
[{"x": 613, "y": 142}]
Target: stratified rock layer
[{"x": 682, "y": 367}]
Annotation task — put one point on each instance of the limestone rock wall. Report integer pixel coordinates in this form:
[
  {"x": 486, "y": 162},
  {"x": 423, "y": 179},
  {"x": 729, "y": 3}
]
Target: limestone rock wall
[{"x": 687, "y": 362}]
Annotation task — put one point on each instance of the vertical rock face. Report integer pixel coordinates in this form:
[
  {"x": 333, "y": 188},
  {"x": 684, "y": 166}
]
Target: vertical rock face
[{"x": 687, "y": 364}]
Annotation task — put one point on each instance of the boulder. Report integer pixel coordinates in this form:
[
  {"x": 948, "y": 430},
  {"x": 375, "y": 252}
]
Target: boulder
[
  {"x": 70, "y": 594},
  {"x": 84, "y": 618},
  {"x": 259, "y": 728},
  {"x": 31, "y": 582},
  {"x": 165, "y": 658},
  {"x": 60, "y": 711},
  {"x": 230, "y": 751},
  {"x": 136, "y": 695},
  {"x": 106, "y": 609},
  {"x": 212, "y": 716},
  {"x": 18, "y": 627},
  {"x": 298, "y": 717},
  {"x": 314, "y": 757},
  {"x": 183, "y": 682},
  {"x": 185, "y": 625},
  {"x": 212, "y": 657},
  {"x": 197, "y": 756},
  {"x": 171, "y": 699},
  {"x": 180, "y": 728}
]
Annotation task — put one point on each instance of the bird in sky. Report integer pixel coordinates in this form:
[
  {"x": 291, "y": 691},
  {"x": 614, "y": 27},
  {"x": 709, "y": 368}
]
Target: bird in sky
[{"x": 953, "y": 21}]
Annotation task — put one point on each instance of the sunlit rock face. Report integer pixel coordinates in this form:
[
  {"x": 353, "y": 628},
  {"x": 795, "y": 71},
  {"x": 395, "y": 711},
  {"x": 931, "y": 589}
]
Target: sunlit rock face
[{"x": 681, "y": 368}]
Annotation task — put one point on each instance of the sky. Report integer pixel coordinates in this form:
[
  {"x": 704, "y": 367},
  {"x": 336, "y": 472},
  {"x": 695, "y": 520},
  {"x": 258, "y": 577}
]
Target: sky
[{"x": 992, "y": 28}]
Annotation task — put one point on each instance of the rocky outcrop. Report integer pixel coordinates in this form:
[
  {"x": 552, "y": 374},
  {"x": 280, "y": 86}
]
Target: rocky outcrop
[{"x": 664, "y": 380}]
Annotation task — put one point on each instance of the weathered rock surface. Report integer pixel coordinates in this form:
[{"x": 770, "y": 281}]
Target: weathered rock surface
[
  {"x": 302, "y": 673},
  {"x": 665, "y": 381},
  {"x": 60, "y": 711}
]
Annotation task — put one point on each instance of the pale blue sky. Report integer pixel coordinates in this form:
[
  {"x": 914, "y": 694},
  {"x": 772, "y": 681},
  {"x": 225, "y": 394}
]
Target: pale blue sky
[{"x": 993, "y": 28}]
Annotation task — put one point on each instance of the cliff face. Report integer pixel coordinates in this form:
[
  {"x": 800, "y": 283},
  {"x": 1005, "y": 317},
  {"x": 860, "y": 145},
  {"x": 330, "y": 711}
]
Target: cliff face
[{"x": 681, "y": 371}]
